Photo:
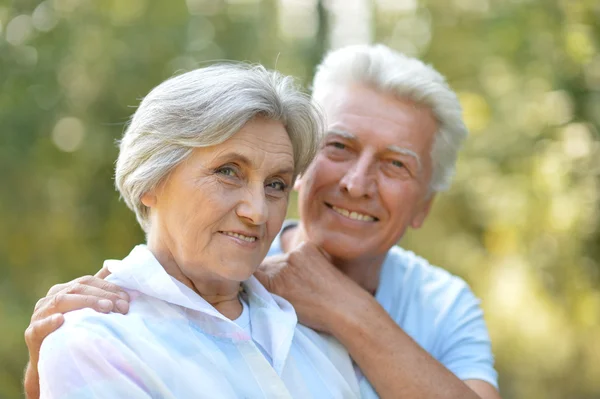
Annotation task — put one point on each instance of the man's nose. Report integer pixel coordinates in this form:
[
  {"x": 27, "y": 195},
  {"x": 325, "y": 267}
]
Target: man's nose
[{"x": 359, "y": 180}]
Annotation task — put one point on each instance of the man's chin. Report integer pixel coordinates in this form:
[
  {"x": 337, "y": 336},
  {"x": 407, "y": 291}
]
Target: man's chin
[
  {"x": 346, "y": 248},
  {"x": 337, "y": 243}
]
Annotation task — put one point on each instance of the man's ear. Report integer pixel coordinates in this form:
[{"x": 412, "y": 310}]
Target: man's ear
[
  {"x": 149, "y": 199},
  {"x": 419, "y": 218},
  {"x": 298, "y": 183}
]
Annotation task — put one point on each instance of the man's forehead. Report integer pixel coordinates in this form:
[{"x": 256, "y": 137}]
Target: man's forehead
[{"x": 359, "y": 96}]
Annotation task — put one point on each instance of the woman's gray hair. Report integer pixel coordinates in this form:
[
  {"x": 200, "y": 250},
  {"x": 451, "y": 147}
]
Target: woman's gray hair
[
  {"x": 383, "y": 69},
  {"x": 203, "y": 108}
]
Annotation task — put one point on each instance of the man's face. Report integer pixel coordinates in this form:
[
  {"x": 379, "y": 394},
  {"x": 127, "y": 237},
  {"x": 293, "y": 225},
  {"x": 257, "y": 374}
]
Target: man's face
[{"x": 370, "y": 179}]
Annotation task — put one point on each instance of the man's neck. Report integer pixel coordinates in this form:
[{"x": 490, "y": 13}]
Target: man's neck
[{"x": 364, "y": 271}]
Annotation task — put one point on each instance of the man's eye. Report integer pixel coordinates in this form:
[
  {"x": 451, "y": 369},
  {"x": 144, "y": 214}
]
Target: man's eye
[{"x": 398, "y": 164}]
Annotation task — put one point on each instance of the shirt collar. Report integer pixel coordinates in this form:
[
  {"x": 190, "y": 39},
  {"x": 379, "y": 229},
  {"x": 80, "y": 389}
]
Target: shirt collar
[{"x": 273, "y": 319}]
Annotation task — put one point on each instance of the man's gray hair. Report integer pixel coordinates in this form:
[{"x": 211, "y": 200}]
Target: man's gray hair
[
  {"x": 391, "y": 72},
  {"x": 203, "y": 108}
]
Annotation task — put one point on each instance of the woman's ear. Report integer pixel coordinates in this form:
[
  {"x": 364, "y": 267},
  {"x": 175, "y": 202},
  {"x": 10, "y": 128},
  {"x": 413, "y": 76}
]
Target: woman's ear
[{"x": 149, "y": 199}]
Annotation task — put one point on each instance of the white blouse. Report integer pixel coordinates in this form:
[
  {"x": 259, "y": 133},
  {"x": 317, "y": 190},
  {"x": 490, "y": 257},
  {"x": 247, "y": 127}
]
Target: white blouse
[{"x": 174, "y": 344}]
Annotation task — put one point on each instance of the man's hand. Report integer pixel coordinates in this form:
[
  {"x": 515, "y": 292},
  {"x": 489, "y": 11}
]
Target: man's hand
[
  {"x": 308, "y": 280},
  {"x": 327, "y": 300},
  {"x": 84, "y": 292}
]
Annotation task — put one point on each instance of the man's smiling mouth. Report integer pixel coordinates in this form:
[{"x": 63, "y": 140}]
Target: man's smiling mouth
[{"x": 352, "y": 214}]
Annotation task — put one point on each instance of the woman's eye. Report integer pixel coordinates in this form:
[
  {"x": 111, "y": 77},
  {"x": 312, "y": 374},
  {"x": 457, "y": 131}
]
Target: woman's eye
[
  {"x": 337, "y": 145},
  {"x": 227, "y": 171}
]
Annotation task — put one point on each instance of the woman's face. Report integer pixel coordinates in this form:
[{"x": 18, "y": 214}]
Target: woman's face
[{"x": 215, "y": 216}]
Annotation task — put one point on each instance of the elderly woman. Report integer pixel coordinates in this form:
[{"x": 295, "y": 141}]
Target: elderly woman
[{"x": 206, "y": 164}]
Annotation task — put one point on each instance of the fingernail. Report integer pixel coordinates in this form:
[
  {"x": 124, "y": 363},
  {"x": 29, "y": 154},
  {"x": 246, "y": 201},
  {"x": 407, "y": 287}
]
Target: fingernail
[
  {"x": 104, "y": 305},
  {"x": 124, "y": 296},
  {"x": 122, "y": 306},
  {"x": 55, "y": 317}
]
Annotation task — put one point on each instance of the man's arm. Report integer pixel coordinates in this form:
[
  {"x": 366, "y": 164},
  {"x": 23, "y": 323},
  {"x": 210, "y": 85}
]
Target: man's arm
[
  {"x": 393, "y": 362},
  {"x": 327, "y": 300}
]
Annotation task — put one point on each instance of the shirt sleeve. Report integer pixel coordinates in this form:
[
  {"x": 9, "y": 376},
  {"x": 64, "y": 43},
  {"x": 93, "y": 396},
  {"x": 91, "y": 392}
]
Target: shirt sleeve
[
  {"x": 78, "y": 362},
  {"x": 466, "y": 346}
]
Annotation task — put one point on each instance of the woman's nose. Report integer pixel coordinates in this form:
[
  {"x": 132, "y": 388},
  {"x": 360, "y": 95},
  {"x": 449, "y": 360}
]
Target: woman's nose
[{"x": 253, "y": 207}]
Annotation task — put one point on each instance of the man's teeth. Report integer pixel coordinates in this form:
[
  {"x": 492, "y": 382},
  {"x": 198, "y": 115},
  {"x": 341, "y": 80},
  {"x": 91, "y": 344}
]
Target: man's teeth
[
  {"x": 240, "y": 236},
  {"x": 353, "y": 215}
]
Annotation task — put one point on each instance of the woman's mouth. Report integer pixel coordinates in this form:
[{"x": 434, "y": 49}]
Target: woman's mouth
[{"x": 247, "y": 238}]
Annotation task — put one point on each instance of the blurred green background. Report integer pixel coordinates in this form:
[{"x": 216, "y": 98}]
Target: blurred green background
[{"x": 521, "y": 222}]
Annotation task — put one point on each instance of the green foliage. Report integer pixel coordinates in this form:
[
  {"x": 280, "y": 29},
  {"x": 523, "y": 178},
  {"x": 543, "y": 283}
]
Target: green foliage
[{"x": 520, "y": 223}]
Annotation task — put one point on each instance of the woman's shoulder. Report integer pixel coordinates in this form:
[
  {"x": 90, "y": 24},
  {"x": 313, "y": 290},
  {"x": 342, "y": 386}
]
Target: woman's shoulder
[
  {"x": 83, "y": 332},
  {"x": 90, "y": 323},
  {"x": 85, "y": 324}
]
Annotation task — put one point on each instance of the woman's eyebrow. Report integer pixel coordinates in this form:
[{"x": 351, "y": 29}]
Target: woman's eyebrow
[
  {"x": 233, "y": 156},
  {"x": 341, "y": 133},
  {"x": 284, "y": 171}
]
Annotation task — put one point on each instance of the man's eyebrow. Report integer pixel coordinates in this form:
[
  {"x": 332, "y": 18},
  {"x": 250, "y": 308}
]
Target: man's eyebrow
[
  {"x": 406, "y": 151},
  {"x": 393, "y": 148}
]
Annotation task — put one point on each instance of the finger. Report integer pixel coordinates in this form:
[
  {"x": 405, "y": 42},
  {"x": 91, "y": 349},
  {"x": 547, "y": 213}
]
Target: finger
[
  {"x": 37, "y": 331},
  {"x": 262, "y": 277},
  {"x": 94, "y": 281},
  {"x": 89, "y": 286},
  {"x": 101, "y": 292},
  {"x": 55, "y": 289},
  {"x": 63, "y": 303},
  {"x": 66, "y": 302},
  {"x": 312, "y": 248},
  {"x": 325, "y": 254},
  {"x": 79, "y": 285},
  {"x": 265, "y": 279},
  {"x": 103, "y": 273},
  {"x": 102, "y": 284},
  {"x": 272, "y": 265}
]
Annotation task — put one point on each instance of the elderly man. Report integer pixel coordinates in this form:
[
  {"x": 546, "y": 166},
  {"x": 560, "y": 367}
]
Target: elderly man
[{"x": 393, "y": 131}]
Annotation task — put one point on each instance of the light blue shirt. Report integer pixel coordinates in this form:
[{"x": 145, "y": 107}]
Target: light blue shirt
[
  {"x": 174, "y": 344},
  {"x": 438, "y": 310}
]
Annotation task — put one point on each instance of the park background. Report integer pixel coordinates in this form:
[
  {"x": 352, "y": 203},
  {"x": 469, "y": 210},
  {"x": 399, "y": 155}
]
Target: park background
[{"x": 520, "y": 224}]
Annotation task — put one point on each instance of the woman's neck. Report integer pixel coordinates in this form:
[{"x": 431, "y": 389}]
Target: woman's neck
[
  {"x": 222, "y": 294},
  {"x": 364, "y": 271}
]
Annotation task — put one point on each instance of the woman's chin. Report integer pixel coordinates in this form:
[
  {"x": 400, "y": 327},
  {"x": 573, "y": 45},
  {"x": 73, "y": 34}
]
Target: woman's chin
[{"x": 238, "y": 273}]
